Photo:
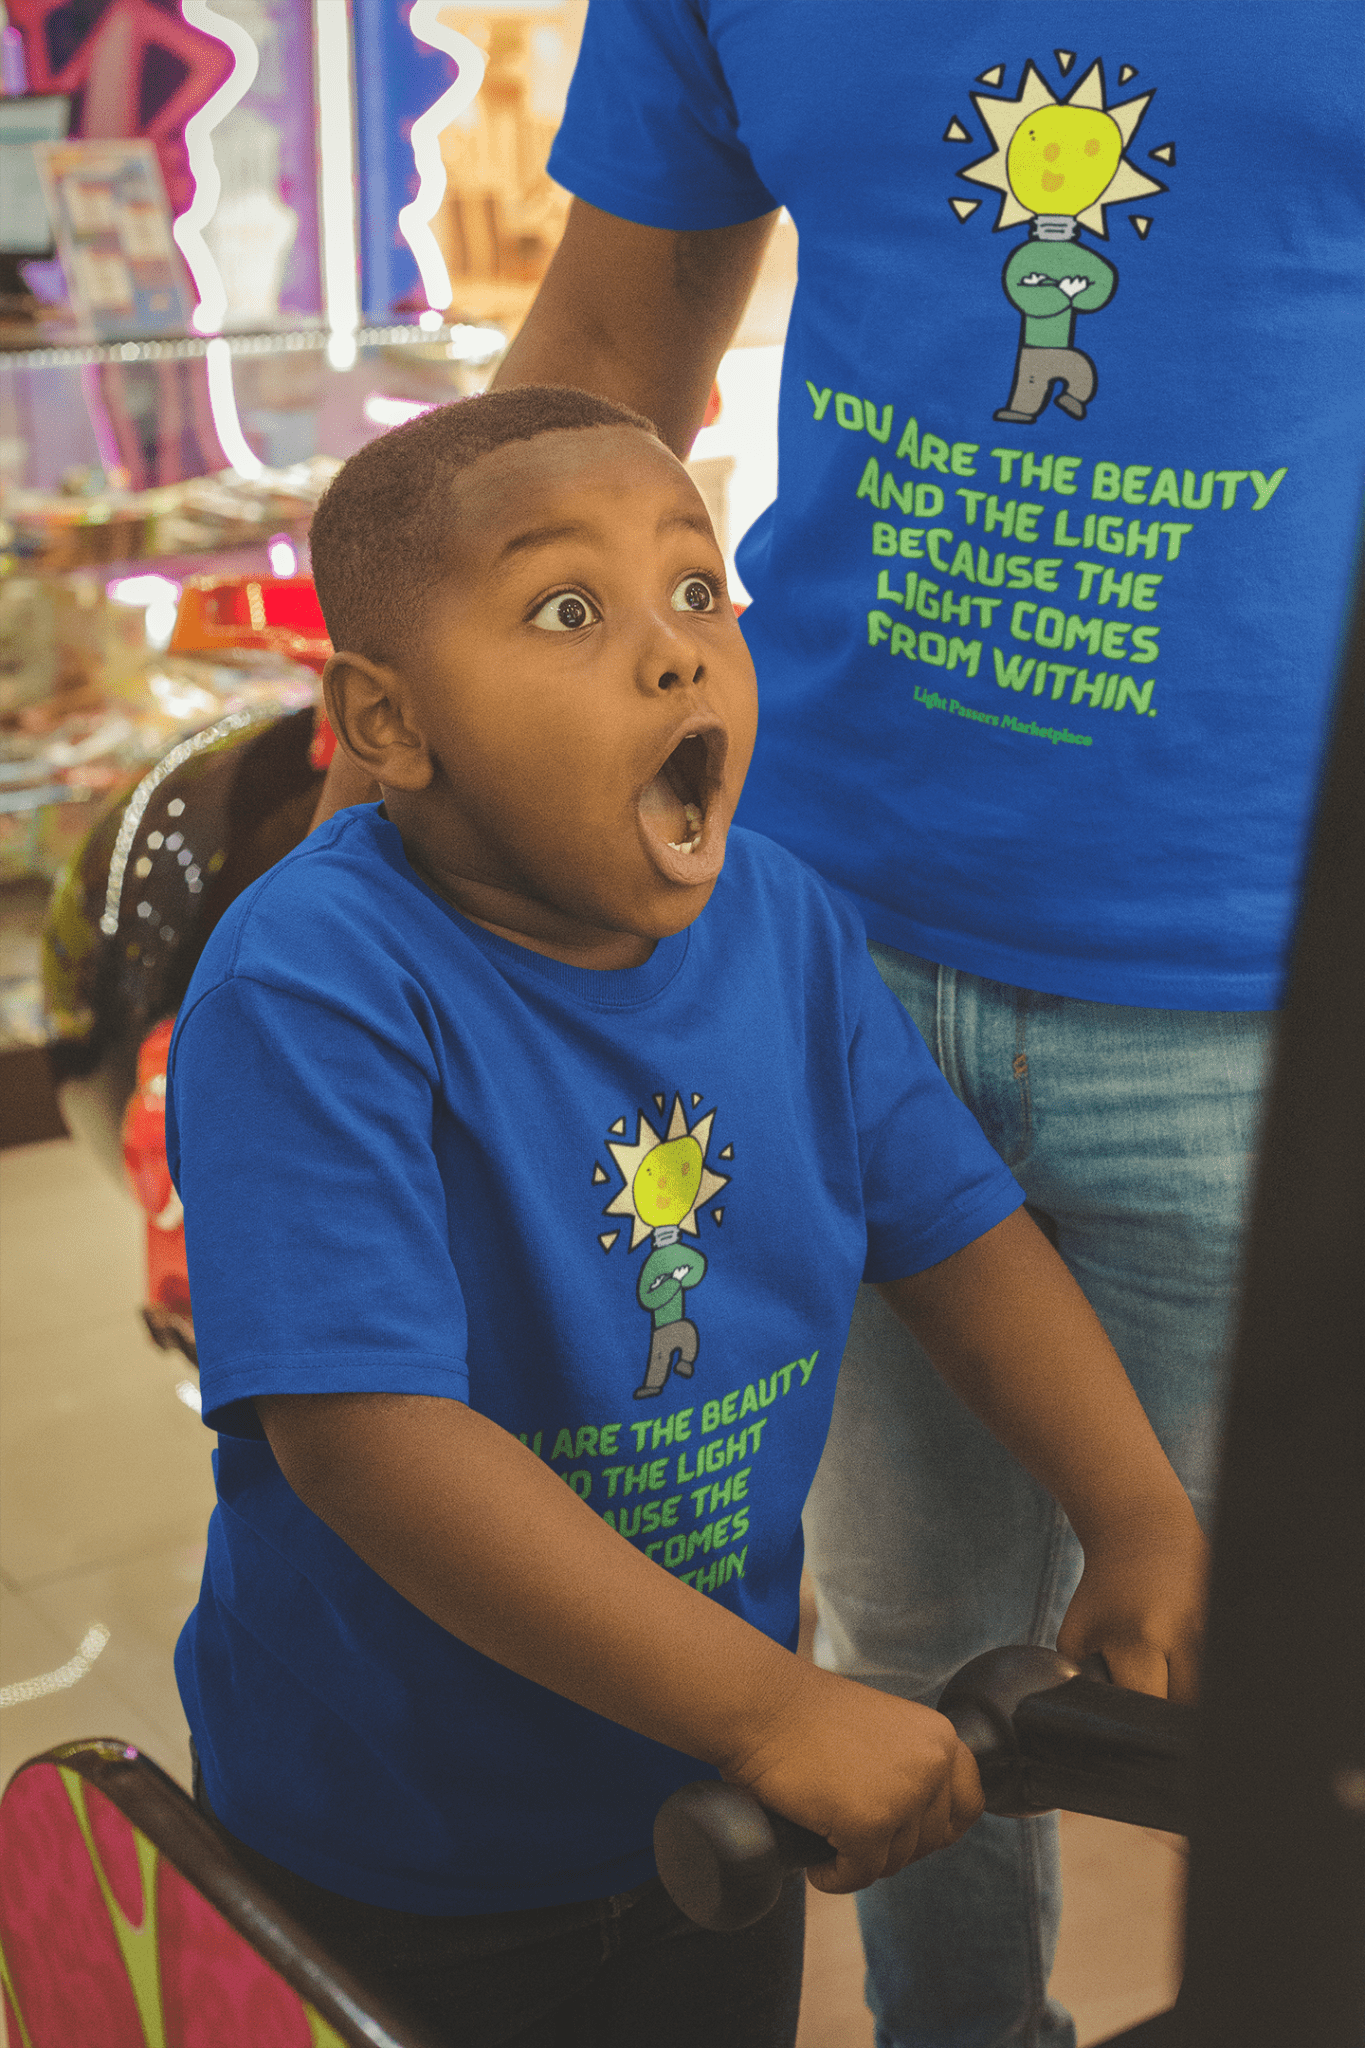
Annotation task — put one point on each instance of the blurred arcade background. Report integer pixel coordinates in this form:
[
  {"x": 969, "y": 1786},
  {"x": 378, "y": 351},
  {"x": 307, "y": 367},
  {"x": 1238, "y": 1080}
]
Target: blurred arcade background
[{"x": 238, "y": 238}]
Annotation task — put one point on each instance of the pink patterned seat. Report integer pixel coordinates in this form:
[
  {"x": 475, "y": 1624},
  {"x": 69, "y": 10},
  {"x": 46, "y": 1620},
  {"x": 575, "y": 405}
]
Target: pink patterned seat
[{"x": 125, "y": 1923}]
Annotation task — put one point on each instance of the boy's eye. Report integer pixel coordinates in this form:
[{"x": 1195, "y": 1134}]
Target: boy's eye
[
  {"x": 694, "y": 594},
  {"x": 565, "y": 613}
]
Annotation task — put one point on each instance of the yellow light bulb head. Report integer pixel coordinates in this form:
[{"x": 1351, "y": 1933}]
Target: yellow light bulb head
[
  {"x": 667, "y": 1182},
  {"x": 1062, "y": 158}
]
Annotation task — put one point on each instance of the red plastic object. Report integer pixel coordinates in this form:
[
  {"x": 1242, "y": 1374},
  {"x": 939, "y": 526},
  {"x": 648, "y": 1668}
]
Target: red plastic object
[
  {"x": 167, "y": 1311},
  {"x": 277, "y": 612},
  {"x": 324, "y": 742},
  {"x": 712, "y": 413}
]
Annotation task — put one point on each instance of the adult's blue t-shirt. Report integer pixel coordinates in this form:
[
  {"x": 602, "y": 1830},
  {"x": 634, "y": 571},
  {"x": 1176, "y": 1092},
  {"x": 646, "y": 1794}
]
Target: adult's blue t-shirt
[
  {"x": 1048, "y": 694},
  {"x": 417, "y": 1158}
]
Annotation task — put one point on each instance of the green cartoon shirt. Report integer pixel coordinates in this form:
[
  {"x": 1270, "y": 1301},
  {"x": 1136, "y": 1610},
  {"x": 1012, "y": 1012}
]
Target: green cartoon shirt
[
  {"x": 660, "y": 1289},
  {"x": 1049, "y": 312}
]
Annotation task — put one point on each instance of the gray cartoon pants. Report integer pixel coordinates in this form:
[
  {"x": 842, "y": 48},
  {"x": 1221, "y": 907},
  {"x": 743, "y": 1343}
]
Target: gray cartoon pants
[
  {"x": 1037, "y": 370},
  {"x": 670, "y": 1338}
]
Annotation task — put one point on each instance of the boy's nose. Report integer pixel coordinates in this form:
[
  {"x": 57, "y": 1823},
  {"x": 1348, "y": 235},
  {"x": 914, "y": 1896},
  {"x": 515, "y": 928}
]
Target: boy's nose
[
  {"x": 668, "y": 655},
  {"x": 671, "y": 677}
]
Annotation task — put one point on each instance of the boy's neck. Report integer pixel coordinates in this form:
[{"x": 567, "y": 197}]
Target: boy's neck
[{"x": 585, "y": 946}]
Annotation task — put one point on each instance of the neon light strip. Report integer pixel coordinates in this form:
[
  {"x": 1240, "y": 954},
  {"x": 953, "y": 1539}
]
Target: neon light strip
[
  {"x": 189, "y": 228},
  {"x": 223, "y": 405},
  {"x": 395, "y": 412},
  {"x": 414, "y": 220},
  {"x": 336, "y": 178},
  {"x": 186, "y": 349},
  {"x": 136, "y": 808}
]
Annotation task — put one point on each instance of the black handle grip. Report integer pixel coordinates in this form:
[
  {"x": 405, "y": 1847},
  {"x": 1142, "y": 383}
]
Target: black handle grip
[
  {"x": 723, "y": 1856},
  {"x": 981, "y": 1701}
]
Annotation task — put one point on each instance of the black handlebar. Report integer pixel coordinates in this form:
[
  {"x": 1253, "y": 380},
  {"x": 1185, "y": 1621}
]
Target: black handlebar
[{"x": 1045, "y": 1732}]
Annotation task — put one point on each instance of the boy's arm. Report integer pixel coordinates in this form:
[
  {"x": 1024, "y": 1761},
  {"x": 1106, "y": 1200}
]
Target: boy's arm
[
  {"x": 472, "y": 1528},
  {"x": 1015, "y": 1338}
]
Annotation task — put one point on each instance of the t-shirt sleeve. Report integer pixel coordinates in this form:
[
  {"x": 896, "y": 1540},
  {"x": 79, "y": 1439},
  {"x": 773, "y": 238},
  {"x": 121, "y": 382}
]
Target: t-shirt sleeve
[
  {"x": 315, "y": 1216},
  {"x": 650, "y": 132},
  {"x": 931, "y": 1181}
]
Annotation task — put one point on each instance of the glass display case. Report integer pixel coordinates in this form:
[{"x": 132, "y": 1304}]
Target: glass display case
[{"x": 128, "y": 468}]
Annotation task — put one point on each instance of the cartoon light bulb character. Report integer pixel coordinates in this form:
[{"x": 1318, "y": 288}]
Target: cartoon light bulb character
[
  {"x": 1061, "y": 159},
  {"x": 666, "y": 1186}
]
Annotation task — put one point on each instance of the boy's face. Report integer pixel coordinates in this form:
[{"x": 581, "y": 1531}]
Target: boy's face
[{"x": 564, "y": 758}]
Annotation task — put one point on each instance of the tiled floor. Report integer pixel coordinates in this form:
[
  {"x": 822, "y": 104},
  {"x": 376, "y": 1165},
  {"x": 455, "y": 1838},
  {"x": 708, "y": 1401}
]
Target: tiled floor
[{"x": 105, "y": 1491}]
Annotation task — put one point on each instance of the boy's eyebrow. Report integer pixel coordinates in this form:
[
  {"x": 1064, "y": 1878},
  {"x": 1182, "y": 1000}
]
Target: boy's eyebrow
[
  {"x": 697, "y": 520},
  {"x": 542, "y": 536}
]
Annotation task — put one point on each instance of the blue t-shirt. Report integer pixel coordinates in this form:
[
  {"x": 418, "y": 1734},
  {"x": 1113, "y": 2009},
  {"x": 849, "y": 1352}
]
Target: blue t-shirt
[
  {"x": 418, "y": 1158},
  {"x": 1046, "y": 694}
]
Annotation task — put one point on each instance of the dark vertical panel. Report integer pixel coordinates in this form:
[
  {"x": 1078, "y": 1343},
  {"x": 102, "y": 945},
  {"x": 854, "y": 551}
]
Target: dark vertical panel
[{"x": 1276, "y": 1920}]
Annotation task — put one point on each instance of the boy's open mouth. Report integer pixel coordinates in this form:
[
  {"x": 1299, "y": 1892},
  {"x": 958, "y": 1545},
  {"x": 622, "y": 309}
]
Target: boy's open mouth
[{"x": 678, "y": 808}]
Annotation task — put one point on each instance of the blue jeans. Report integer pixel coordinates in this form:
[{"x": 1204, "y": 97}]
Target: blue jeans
[{"x": 1132, "y": 1132}]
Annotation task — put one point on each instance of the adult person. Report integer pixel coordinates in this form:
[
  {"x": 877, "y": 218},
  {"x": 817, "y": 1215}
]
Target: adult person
[{"x": 1045, "y": 693}]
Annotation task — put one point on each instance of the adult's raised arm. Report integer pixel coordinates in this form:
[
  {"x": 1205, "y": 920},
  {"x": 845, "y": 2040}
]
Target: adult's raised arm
[{"x": 639, "y": 315}]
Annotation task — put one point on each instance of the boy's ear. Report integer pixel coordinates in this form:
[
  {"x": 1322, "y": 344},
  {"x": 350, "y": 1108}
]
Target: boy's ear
[{"x": 367, "y": 708}]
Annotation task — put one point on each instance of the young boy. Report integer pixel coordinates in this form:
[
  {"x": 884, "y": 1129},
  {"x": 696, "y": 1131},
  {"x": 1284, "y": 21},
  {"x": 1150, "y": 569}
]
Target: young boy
[{"x": 568, "y": 1138}]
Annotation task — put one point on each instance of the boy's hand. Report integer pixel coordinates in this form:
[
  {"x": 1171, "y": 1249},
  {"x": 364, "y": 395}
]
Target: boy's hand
[
  {"x": 1140, "y": 1603},
  {"x": 882, "y": 1779}
]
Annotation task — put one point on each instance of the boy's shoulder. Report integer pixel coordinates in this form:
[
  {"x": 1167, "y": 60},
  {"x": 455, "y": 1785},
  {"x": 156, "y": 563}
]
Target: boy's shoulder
[
  {"x": 781, "y": 939},
  {"x": 334, "y": 898},
  {"x": 762, "y": 879}
]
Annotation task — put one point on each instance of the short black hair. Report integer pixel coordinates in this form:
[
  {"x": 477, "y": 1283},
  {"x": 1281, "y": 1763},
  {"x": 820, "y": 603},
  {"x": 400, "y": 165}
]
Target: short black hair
[{"x": 381, "y": 530}]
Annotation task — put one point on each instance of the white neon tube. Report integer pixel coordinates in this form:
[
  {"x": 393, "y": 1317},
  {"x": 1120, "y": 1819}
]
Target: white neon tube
[
  {"x": 414, "y": 222},
  {"x": 189, "y": 228},
  {"x": 336, "y": 178},
  {"x": 223, "y": 405}
]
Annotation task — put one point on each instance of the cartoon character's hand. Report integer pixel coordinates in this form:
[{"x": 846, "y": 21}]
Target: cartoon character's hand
[
  {"x": 663, "y": 1280},
  {"x": 682, "y": 1272},
  {"x": 1036, "y": 277},
  {"x": 1072, "y": 286}
]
